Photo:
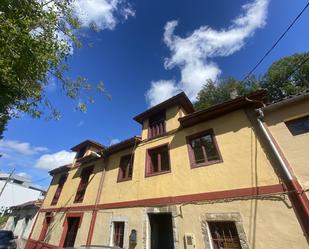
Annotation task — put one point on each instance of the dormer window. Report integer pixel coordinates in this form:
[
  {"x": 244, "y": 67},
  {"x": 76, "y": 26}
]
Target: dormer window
[
  {"x": 156, "y": 125},
  {"x": 81, "y": 152}
]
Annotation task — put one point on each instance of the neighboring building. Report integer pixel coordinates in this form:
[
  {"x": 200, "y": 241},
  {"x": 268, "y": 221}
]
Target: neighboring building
[
  {"x": 194, "y": 179},
  {"x": 17, "y": 190},
  {"x": 288, "y": 123},
  {"x": 21, "y": 219}
]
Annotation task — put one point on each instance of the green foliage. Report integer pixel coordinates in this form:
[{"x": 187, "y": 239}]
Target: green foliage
[
  {"x": 280, "y": 81},
  {"x": 36, "y": 39},
  {"x": 3, "y": 220},
  {"x": 287, "y": 76},
  {"x": 214, "y": 93}
]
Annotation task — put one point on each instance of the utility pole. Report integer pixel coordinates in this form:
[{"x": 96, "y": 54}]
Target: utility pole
[{"x": 6, "y": 182}]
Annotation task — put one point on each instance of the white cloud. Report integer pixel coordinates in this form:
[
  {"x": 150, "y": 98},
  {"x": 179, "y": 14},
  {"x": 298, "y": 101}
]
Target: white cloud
[
  {"x": 160, "y": 91},
  {"x": 13, "y": 146},
  {"x": 25, "y": 175},
  {"x": 193, "y": 54},
  {"x": 104, "y": 13},
  {"x": 114, "y": 141},
  {"x": 51, "y": 161}
]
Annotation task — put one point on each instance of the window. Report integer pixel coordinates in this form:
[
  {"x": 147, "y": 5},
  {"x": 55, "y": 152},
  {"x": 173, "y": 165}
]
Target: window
[
  {"x": 47, "y": 221},
  {"x": 72, "y": 228},
  {"x": 158, "y": 160},
  {"x": 81, "y": 152},
  {"x": 203, "y": 149},
  {"x": 156, "y": 125},
  {"x": 61, "y": 182},
  {"x": 224, "y": 235},
  {"x": 298, "y": 126},
  {"x": 85, "y": 175},
  {"x": 126, "y": 168},
  {"x": 118, "y": 234}
]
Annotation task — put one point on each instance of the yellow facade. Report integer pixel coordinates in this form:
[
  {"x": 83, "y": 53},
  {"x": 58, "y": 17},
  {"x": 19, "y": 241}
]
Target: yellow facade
[
  {"x": 295, "y": 148},
  {"x": 268, "y": 221}
]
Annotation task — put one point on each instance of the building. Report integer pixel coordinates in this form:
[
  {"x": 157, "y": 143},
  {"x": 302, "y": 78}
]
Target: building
[
  {"x": 288, "y": 124},
  {"x": 21, "y": 219},
  {"x": 16, "y": 190},
  {"x": 193, "y": 179}
]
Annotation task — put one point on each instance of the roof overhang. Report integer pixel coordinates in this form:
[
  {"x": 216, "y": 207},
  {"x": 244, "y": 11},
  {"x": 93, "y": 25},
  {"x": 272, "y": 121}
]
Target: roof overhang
[
  {"x": 179, "y": 99},
  {"x": 254, "y": 99},
  {"x": 131, "y": 142},
  {"x": 304, "y": 95},
  {"x": 61, "y": 169},
  {"x": 88, "y": 143}
]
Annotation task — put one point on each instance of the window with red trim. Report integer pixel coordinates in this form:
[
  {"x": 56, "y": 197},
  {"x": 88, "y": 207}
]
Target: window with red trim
[
  {"x": 126, "y": 168},
  {"x": 118, "y": 234},
  {"x": 203, "y": 149},
  {"x": 72, "y": 229},
  {"x": 158, "y": 160},
  {"x": 47, "y": 221},
  {"x": 156, "y": 125},
  {"x": 224, "y": 235},
  {"x": 85, "y": 175},
  {"x": 61, "y": 182}
]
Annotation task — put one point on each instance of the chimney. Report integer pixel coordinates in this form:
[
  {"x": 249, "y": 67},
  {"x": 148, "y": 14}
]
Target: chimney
[{"x": 233, "y": 93}]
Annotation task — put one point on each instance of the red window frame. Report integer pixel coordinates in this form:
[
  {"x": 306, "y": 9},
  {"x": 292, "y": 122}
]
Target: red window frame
[
  {"x": 66, "y": 226},
  {"x": 156, "y": 153},
  {"x": 46, "y": 222},
  {"x": 125, "y": 171},
  {"x": 224, "y": 234},
  {"x": 118, "y": 237},
  {"x": 61, "y": 182},
  {"x": 156, "y": 125},
  {"x": 82, "y": 187},
  {"x": 206, "y": 162}
]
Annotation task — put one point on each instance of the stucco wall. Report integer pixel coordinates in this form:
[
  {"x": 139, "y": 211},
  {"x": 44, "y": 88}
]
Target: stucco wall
[
  {"x": 70, "y": 187},
  {"x": 56, "y": 228},
  {"x": 244, "y": 164},
  {"x": 295, "y": 148},
  {"x": 266, "y": 223}
]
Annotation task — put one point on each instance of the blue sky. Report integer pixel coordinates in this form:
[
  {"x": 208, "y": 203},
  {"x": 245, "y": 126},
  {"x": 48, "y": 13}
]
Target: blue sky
[{"x": 145, "y": 52}]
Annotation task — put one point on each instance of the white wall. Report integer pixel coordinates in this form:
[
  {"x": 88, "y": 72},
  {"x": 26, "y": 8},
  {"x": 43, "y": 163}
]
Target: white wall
[{"x": 15, "y": 194}]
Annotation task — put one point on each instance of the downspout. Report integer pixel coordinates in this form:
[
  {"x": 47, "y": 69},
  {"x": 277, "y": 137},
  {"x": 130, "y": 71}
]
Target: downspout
[
  {"x": 295, "y": 192},
  {"x": 284, "y": 167},
  {"x": 95, "y": 209}
]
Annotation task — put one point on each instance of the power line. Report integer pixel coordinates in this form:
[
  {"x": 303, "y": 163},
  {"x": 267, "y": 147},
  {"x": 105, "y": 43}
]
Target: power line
[
  {"x": 42, "y": 179},
  {"x": 276, "y": 43},
  {"x": 297, "y": 68}
]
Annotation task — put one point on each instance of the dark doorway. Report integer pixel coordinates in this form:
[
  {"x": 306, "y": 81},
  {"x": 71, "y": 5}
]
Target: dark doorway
[
  {"x": 161, "y": 231},
  {"x": 73, "y": 223}
]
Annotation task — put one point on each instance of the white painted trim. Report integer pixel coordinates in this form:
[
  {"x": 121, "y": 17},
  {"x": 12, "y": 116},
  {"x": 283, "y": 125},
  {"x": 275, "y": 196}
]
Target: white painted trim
[{"x": 125, "y": 233}]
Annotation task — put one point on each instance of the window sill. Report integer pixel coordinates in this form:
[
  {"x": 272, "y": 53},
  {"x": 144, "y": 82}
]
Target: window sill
[
  {"x": 157, "y": 136},
  {"x": 78, "y": 201},
  {"x": 158, "y": 173},
  {"x": 199, "y": 165},
  {"x": 124, "y": 179}
]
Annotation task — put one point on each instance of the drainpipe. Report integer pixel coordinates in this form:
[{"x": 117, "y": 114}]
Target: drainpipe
[
  {"x": 296, "y": 194},
  {"x": 95, "y": 209},
  {"x": 284, "y": 167}
]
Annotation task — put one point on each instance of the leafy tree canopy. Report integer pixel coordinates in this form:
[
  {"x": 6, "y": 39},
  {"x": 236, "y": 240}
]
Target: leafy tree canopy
[
  {"x": 287, "y": 76},
  {"x": 36, "y": 39}
]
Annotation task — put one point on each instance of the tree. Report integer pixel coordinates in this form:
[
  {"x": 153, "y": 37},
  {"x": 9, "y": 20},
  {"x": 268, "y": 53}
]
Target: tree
[
  {"x": 36, "y": 39},
  {"x": 287, "y": 76},
  {"x": 216, "y": 92}
]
